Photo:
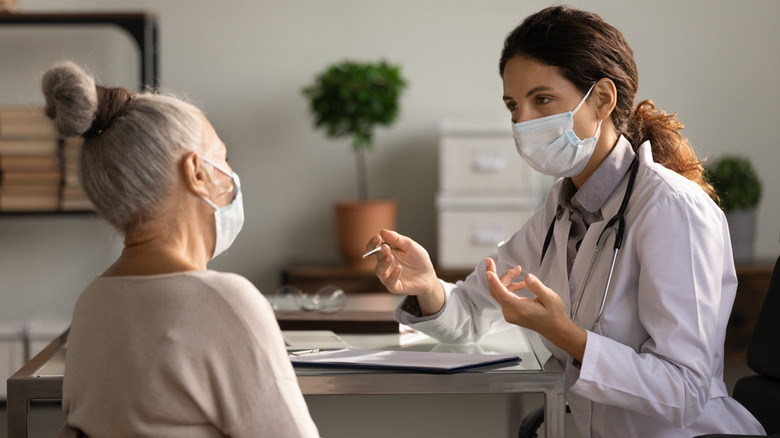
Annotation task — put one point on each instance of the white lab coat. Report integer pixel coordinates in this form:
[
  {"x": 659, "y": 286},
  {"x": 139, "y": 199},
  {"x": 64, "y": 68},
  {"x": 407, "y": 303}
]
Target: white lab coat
[{"x": 654, "y": 366}]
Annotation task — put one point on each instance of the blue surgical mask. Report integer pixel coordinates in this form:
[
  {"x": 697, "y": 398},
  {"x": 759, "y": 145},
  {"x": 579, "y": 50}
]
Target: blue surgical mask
[
  {"x": 550, "y": 146},
  {"x": 230, "y": 218}
]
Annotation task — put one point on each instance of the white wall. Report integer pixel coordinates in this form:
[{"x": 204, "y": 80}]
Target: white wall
[{"x": 715, "y": 62}]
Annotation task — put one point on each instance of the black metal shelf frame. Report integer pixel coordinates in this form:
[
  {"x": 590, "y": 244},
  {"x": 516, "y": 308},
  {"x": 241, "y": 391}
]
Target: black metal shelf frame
[{"x": 141, "y": 26}]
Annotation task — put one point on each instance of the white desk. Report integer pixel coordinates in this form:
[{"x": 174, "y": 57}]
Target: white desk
[{"x": 538, "y": 372}]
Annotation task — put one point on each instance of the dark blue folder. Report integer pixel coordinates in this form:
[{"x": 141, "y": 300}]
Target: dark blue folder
[{"x": 420, "y": 361}]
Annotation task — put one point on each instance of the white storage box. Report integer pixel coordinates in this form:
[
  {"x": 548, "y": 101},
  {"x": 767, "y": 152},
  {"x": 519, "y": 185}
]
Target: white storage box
[
  {"x": 11, "y": 352},
  {"x": 470, "y": 228},
  {"x": 475, "y": 157}
]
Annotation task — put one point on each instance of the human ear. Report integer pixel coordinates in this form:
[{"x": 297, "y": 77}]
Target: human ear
[
  {"x": 195, "y": 175},
  {"x": 606, "y": 97}
]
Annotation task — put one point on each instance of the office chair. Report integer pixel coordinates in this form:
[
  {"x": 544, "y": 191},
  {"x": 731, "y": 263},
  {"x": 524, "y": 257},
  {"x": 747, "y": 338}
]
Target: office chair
[{"x": 760, "y": 393}]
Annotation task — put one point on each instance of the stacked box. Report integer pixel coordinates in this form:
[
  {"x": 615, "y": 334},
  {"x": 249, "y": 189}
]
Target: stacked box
[{"x": 486, "y": 191}]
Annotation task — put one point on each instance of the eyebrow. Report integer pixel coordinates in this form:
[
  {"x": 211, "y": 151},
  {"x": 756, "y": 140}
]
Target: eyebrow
[
  {"x": 538, "y": 89},
  {"x": 532, "y": 91}
]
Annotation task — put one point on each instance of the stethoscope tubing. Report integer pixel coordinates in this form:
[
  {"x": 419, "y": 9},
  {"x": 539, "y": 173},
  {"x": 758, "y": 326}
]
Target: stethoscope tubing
[{"x": 619, "y": 220}]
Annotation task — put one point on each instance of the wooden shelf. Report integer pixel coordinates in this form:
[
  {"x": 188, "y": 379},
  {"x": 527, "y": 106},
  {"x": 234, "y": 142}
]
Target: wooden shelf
[
  {"x": 753, "y": 283},
  {"x": 48, "y": 213},
  {"x": 364, "y": 313},
  {"x": 141, "y": 26}
]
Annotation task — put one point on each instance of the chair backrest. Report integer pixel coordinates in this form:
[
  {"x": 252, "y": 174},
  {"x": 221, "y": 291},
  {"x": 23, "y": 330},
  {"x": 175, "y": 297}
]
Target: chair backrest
[{"x": 763, "y": 354}]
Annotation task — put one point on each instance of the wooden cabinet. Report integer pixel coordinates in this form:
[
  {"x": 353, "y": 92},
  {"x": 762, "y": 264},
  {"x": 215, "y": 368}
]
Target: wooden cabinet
[{"x": 753, "y": 284}]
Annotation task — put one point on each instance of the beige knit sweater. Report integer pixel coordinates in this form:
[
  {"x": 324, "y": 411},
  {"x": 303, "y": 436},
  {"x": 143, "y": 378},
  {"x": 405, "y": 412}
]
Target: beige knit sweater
[{"x": 193, "y": 354}]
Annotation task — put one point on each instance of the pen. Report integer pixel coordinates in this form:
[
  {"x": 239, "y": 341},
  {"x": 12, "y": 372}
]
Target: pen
[
  {"x": 302, "y": 352},
  {"x": 375, "y": 250}
]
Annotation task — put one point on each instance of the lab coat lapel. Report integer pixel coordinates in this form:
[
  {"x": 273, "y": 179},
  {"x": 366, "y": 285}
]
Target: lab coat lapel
[
  {"x": 553, "y": 272},
  {"x": 558, "y": 279}
]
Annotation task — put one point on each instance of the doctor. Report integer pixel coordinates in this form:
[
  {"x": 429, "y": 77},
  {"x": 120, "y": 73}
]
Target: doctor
[{"x": 630, "y": 273}]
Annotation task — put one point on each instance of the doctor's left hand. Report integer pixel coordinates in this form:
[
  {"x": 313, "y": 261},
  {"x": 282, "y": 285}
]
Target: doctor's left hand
[{"x": 544, "y": 314}]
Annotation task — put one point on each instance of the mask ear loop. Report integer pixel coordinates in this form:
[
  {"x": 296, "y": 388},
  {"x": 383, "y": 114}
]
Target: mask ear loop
[
  {"x": 216, "y": 166},
  {"x": 210, "y": 202},
  {"x": 583, "y": 99},
  {"x": 598, "y": 128}
]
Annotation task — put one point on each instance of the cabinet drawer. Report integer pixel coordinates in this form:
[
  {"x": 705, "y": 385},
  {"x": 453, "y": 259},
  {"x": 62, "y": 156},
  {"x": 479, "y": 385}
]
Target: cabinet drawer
[
  {"x": 478, "y": 163},
  {"x": 468, "y": 234}
]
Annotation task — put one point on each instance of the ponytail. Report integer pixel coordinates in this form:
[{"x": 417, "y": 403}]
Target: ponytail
[{"x": 670, "y": 148}]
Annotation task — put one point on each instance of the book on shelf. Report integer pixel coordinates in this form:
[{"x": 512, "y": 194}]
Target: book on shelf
[
  {"x": 28, "y": 147},
  {"x": 29, "y": 163},
  {"x": 22, "y": 113},
  {"x": 29, "y": 197},
  {"x": 30, "y": 123},
  {"x": 31, "y": 190},
  {"x": 74, "y": 198},
  {"x": 18, "y": 178},
  {"x": 71, "y": 179},
  {"x": 71, "y": 147},
  {"x": 71, "y": 153},
  {"x": 76, "y": 204},
  {"x": 24, "y": 203}
]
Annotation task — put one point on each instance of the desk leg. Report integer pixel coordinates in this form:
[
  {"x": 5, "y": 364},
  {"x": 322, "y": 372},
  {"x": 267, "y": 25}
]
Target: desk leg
[
  {"x": 555, "y": 412},
  {"x": 17, "y": 417}
]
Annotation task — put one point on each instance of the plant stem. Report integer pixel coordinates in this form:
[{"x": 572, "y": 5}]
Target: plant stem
[{"x": 360, "y": 155}]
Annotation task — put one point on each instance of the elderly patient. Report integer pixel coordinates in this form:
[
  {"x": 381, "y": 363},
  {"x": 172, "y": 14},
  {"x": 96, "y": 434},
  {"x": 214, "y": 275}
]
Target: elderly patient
[{"x": 160, "y": 346}]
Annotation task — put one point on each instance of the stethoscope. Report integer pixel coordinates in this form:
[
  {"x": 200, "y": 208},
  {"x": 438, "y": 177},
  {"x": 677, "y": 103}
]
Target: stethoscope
[{"x": 619, "y": 220}]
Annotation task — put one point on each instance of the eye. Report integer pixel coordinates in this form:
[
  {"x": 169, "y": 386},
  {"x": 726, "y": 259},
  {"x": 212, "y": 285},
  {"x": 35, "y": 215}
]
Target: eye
[
  {"x": 511, "y": 106},
  {"x": 541, "y": 100}
]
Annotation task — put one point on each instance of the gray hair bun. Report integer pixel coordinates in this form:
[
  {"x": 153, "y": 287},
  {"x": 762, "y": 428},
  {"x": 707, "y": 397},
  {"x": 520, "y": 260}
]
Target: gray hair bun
[{"x": 71, "y": 98}]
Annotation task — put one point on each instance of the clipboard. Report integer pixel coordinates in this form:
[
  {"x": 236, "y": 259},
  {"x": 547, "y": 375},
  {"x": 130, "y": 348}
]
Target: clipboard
[{"x": 403, "y": 360}]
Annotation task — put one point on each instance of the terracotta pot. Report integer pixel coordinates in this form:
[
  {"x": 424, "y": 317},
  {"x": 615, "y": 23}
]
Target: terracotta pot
[
  {"x": 8, "y": 5},
  {"x": 356, "y": 222}
]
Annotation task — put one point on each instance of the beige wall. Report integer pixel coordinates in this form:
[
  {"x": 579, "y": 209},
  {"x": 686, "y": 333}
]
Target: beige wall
[{"x": 715, "y": 62}]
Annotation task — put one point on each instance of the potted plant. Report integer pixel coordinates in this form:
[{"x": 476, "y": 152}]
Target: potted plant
[
  {"x": 350, "y": 100},
  {"x": 739, "y": 189}
]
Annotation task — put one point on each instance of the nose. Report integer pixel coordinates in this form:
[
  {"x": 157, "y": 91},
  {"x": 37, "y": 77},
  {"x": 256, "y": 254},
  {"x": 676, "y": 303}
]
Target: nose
[{"x": 519, "y": 116}]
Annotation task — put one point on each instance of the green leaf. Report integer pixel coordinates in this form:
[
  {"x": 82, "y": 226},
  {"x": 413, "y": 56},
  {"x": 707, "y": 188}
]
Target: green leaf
[
  {"x": 351, "y": 99},
  {"x": 736, "y": 182}
]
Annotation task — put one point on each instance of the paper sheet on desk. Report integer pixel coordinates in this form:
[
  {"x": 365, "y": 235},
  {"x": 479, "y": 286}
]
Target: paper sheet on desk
[{"x": 423, "y": 361}]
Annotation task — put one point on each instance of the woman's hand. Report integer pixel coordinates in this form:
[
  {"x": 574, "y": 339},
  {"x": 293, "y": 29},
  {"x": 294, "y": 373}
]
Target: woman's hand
[
  {"x": 405, "y": 267},
  {"x": 544, "y": 314}
]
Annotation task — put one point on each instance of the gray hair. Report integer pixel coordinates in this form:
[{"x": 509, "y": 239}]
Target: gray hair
[{"x": 132, "y": 143}]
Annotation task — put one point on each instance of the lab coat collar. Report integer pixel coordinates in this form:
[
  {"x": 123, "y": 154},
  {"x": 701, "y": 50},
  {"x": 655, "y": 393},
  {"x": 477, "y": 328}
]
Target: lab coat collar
[
  {"x": 599, "y": 187},
  {"x": 611, "y": 178}
]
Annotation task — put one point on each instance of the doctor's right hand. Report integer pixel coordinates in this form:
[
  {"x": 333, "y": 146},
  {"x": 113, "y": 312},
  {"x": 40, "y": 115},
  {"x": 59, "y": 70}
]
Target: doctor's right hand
[{"x": 405, "y": 267}]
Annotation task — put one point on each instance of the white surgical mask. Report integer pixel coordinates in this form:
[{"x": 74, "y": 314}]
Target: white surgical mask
[
  {"x": 230, "y": 218},
  {"x": 550, "y": 146}
]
